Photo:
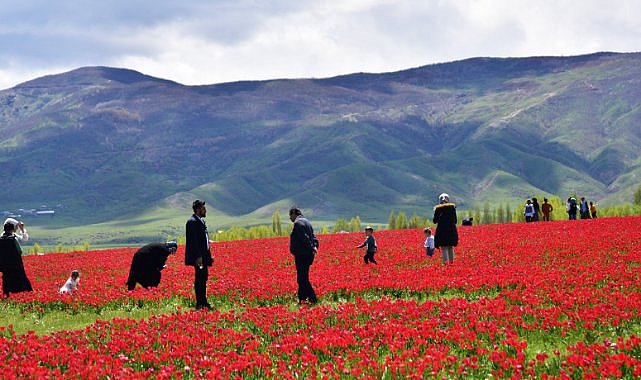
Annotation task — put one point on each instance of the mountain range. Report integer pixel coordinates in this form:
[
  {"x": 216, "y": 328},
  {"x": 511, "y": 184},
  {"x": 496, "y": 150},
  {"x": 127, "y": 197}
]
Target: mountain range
[{"x": 106, "y": 143}]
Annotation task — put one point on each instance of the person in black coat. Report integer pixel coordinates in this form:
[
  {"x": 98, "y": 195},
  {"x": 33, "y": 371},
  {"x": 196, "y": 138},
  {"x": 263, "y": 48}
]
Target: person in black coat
[
  {"x": 197, "y": 252},
  {"x": 14, "y": 277},
  {"x": 446, "y": 236},
  {"x": 147, "y": 263},
  {"x": 303, "y": 245}
]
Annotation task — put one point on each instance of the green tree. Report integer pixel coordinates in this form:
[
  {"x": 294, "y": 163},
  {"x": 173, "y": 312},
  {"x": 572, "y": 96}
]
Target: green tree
[
  {"x": 637, "y": 197},
  {"x": 476, "y": 212},
  {"x": 276, "y": 224},
  {"x": 500, "y": 214},
  {"x": 35, "y": 249},
  {"x": 391, "y": 221},
  {"x": 341, "y": 225},
  {"x": 416, "y": 221},
  {"x": 488, "y": 216},
  {"x": 401, "y": 220},
  {"x": 324, "y": 230},
  {"x": 355, "y": 224}
]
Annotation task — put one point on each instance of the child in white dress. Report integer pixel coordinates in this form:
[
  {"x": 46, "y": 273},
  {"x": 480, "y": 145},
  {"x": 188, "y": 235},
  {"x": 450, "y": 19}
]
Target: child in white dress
[{"x": 72, "y": 282}]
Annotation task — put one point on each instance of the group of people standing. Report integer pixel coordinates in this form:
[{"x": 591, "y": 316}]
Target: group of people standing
[
  {"x": 534, "y": 211},
  {"x": 583, "y": 208}
]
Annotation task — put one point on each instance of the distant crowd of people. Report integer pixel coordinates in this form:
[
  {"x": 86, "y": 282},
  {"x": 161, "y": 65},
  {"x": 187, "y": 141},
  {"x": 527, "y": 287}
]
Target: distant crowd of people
[{"x": 533, "y": 211}]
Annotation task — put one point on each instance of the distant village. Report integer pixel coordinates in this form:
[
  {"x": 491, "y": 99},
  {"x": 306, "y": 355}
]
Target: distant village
[{"x": 42, "y": 211}]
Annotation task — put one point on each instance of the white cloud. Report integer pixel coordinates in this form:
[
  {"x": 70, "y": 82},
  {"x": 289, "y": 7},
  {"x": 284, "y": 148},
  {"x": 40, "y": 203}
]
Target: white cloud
[{"x": 203, "y": 42}]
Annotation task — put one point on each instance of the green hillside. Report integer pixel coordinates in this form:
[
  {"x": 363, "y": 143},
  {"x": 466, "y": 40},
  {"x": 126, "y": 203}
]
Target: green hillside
[{"x": 102, "y": 144}]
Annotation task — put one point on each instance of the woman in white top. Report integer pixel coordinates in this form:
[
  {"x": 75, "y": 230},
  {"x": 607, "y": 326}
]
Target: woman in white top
[{"x": 20, "y": 230}]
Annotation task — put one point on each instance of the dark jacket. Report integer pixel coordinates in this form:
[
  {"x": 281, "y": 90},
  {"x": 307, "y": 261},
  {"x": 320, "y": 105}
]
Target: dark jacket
[
  {"x": 302, "y": 240},
  {"x": 14, "y": 278},
  {"x": 196, "y": 244},
  {"x": 146, "y": 265},
  {"x": 370, "y": 242},
  {"x": 445, "y": 218}
]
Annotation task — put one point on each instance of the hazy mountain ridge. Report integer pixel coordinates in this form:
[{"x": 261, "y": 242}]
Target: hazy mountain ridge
[{"x": 115, "y": 141}]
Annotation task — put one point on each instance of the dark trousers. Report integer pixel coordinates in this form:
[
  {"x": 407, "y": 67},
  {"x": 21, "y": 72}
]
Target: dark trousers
[
  {"x": 200, "y": 285},
  {"x": 305, "y": 290},
  {"x": 369, "y": 256}
]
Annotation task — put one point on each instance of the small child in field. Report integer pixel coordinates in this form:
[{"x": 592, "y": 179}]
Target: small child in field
[
  {"x": 370, "y": 242},
  {"x": 72, "y": 282},
  {"x": 429, "y": 242}
]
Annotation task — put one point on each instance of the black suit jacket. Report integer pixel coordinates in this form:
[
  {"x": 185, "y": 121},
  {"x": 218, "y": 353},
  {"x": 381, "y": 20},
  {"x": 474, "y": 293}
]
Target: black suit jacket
[
  {"x": 302, "y": 238},
  {"x": 196, "y": 245}
]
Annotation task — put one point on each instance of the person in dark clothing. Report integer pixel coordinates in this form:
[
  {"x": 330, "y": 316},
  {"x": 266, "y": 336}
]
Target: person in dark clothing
[
  {"x": 446, "y": 236},
  {"x": 370, "y": 242},
  {"x": 14, "y": 277},
  {"x": 537, "y": 209},
  {"x": 528, "y": 211},
  {"x": 571, "y": 207},
  {"x": 584, "y": 209},
  {"x": 304, "y": 246},
  {"x": 546, "y": 209},
  {"x": 197, "y": 252},
  {"x": 147, "y": 264}
]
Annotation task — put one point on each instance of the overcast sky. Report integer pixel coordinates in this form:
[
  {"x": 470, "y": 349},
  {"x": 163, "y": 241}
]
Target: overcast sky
[{"x": 213, "y": 41}]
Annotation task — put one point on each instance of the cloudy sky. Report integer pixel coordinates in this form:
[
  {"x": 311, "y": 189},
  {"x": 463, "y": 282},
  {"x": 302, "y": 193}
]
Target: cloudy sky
[{"x": 213, "y": 41}]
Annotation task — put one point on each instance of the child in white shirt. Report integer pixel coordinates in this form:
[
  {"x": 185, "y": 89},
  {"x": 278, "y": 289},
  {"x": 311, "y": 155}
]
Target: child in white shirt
[
  {"x": 429, "y": 242},
  {"x": 72, "y": 282}
]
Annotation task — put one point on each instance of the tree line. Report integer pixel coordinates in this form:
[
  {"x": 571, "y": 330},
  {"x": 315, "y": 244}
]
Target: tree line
[{"x": 487, "y": 213}]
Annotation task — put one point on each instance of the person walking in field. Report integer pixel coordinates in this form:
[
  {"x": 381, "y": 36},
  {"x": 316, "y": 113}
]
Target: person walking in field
[
  {"x": 446, "y": 236},
  {"x": 584, "y": 209},
  {"x": 572, "y": 208},
  {"x": 304, "y": 246},
  {"x": 198, "y": 253},
  {"x": 528, "y": 211},
  {"x": 593, "y": 210},
  {"x": 14, "y": 277},
  {"x": 370, "y": 243},
  {"x": 537, "y": 209},
  {"x": 546, "y": 210},
  {"x": 429, "y": 242}
]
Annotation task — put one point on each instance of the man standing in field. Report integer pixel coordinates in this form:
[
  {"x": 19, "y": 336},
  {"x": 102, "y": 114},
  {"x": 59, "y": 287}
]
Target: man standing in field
[
  {"x": 303, "y": 245},
  {"x": 546, "y": 209},
  {"x": 197, "y": 252}
]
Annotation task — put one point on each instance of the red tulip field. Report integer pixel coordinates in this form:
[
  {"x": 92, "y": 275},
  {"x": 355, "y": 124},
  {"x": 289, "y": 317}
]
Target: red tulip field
[{"x": 523, "y": 300}]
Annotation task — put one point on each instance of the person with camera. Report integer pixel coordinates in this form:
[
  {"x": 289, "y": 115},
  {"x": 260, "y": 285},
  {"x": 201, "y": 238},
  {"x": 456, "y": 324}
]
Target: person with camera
[
  {"x": 304, "y": 246},
  {"x": 14, "y": 277},
  {"x": 197, "y": 252},
  {"x": 20, "y": 231}
]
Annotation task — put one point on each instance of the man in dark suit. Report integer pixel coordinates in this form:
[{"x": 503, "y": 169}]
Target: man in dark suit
[
  {"x": 303, "y": 245},
  {"x": 147, "y": 264},
  {"x": 197, "y": 253}
]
